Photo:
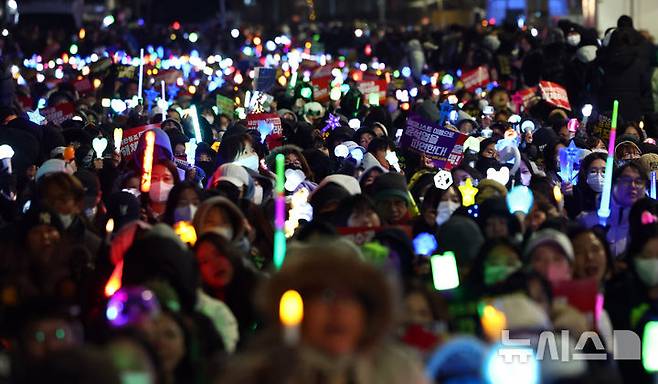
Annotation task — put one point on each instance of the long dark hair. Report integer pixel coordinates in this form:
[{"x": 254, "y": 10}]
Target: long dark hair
[
  {"x": 576, "y": 231},
  {"x": 239, "y": 292},
  {"x": 231, "y": 147},
  {"x": 583, "y": 193},
  {"x": 174, "y": 197}
]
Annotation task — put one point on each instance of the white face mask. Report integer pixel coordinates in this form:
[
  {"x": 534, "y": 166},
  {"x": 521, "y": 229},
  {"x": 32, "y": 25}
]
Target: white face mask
[
  {"x": 525, "y": 178},
  {"x": 595, "y": 181},
  {"x": 445, "y": 210},
  {"x": 647, "y": 271},
  {"x": 160, "y": 191},
  {"x": 250, "y": 162},
  {"x": 573, "y": 39},
  {"x": 66, "y": 220},
  {"x": 185, "y": 213},
  {"x": 587, "y": 54},
  {"x": 258, "y": 194},
  {"x": 227, "y": 232}
]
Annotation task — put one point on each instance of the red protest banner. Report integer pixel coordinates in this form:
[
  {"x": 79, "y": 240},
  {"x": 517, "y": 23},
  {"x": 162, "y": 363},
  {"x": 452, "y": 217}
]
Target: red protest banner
[
  {"x": 269, "y": 118},
  {"x": 522, "y": 98},
  {"x": 555, "y": 94},
  {"x": 321, "y": 88},
  {"x": 580, "y": 294},
  {"x": 476, "y": 78},
  {"x": 59, "y": 113},
  {"x": 378, "y": 86},
  {"x": 131, "y": 137}
]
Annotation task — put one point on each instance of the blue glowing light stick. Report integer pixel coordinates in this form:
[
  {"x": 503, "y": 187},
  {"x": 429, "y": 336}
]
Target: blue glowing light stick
[{"x": 604, "y": 208}]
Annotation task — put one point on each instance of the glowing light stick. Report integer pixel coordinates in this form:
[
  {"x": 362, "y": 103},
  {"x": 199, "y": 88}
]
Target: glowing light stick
[
  {"x": 444, "y": 271},
  {"x": 468, "y": 192},
  {"x": 195, "y": 123},
  {"x": 569, "y": 158},
  {"x": 109, "y": 228},
  {"x": 69, "y": 153},
  {"x": 300, "y": 209},
  {"x": 291, "y": 314},
  {"x": 501, "y": 176},
  {"x": 373, "y": 99},
  {"x": 118, "y": 136},
  {"x": 293, "y": 80},
  {"x": 114, "y": 282},
  {"x": 280, "y": 213},
  {"x": 520, "y": 199},
  {"x": 413, "y": 207},
  {"x": 99, "y": 144},
  {"x": 652, "y": 191},
  {"x": 140, "y": 85},
  {"x": 424, "y": 243},
  {"x": 190, "y": 151},
  {"x": 147, "y": 164},
  {"x": 35, "y": 117},
  {"x": 118, "y": 105},
  {"x": 131, "y": 305},
  {"x": 185, "y": 231},
  {"x": 604, "y": 208},
  {"x": 650, "y": 347},
  {"x": 6, "y": 153},
  {"x": 587, "y": 112},
  {"x": 164, "y": 110},
  {"x": 493, "y": 322}
]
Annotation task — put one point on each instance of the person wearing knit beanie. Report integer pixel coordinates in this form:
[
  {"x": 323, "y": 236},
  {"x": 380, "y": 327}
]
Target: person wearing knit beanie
[
  {"x": 551, "y": 254},
  {"x": 391, "y": 196}
]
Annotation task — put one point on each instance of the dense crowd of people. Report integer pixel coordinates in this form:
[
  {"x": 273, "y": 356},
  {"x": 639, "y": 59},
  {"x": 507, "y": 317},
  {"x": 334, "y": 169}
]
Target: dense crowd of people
[{"x": 442, "y": 188}]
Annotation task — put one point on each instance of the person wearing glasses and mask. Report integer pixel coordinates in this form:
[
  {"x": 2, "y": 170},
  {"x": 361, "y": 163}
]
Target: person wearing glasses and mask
[{"x": 629, "y": 183}]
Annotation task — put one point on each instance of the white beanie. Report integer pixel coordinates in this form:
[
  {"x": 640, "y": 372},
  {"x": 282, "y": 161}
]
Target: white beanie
[
  {"x": 350, "y": 184},
  {"x": 550, "y": 236},
  {"x": 53, "y": 166}
]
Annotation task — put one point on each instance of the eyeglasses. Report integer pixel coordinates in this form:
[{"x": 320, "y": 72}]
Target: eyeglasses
[{"x": 628, "y": 181}]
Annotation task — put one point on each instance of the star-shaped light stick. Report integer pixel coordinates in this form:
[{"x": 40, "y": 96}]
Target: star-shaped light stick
[
  {"x": 333, "y": 122},
  {"x": 468, "y": 192}
]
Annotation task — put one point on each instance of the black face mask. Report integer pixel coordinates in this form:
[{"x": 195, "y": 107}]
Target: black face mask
[
  {"x": 207, "y": 167},
  {"x": 295, "y": 167},
  {"x": 485, "y": 163}
]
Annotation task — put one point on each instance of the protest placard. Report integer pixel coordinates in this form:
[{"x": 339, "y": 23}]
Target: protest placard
[
  {"x": 368, "y": 87},
  {"x": 225, "y": 105},
  {"x": 131, "y": 138},
  {"x": 444, "y": 146},
  {"x": 555, "y": 94},
  {"x": 321, "y": 88},
  {"x": 264, "y": 79},
  {"x": 59, "y": 113},
  {"x": 476, "y": 78}
]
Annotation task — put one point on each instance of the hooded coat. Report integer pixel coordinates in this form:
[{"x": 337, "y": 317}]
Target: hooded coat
[
  {"x": 625, "y": 78},
  {"x": 313, "y": 266}
]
